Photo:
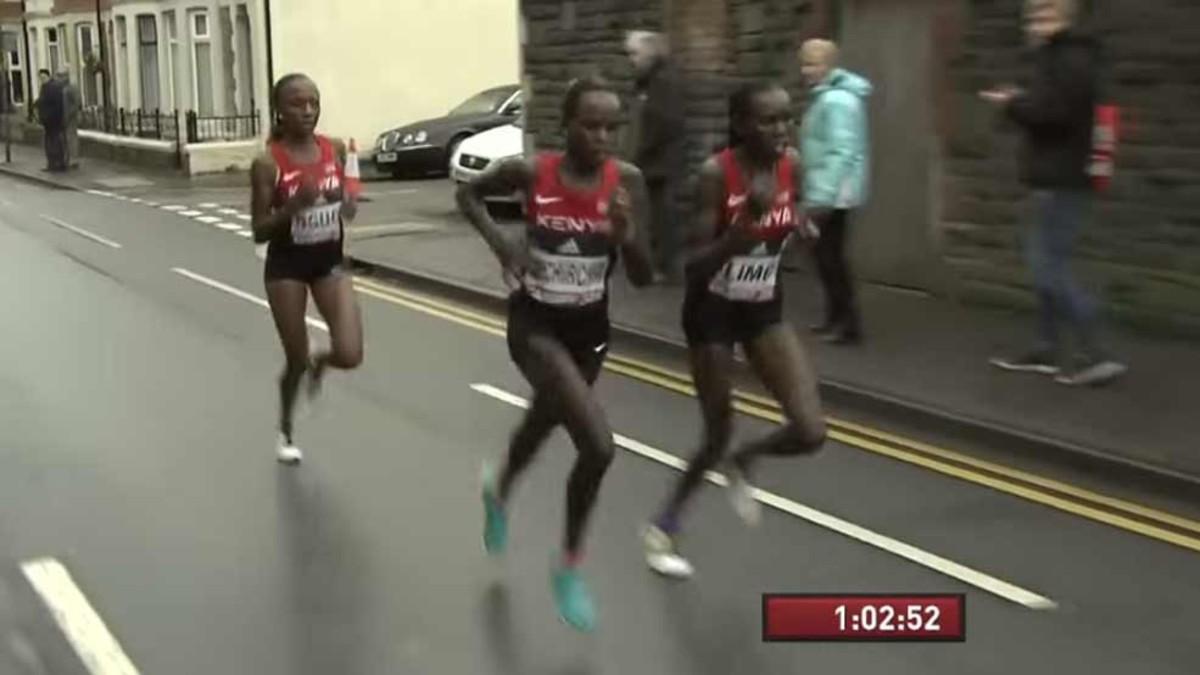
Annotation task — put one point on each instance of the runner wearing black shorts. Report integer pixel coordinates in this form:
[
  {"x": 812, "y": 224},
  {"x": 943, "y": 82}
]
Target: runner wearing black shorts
[{"x": 748, "y": 212}]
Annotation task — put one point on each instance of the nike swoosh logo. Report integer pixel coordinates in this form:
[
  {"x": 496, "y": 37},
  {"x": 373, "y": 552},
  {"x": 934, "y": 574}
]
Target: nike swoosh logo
[
  {"x": 542, "y": 201},
  {"x": 290, "y": 175},
  {"x": 737, "y": 200},
  {"x": 599, "y": 348}
]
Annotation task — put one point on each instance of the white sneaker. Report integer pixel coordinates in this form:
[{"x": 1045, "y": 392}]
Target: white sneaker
[
  {"x": 741, "y": 496},
  {"x": 286, "y": 452},
  {"x": 662, "y": 556}
]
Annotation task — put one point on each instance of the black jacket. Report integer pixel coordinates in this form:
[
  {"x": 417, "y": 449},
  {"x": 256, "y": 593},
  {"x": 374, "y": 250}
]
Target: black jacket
[
  {"x": 660, "y": 143},
  {"x": 1056, "y": 111},
  {"x": 51, "y": 108}
]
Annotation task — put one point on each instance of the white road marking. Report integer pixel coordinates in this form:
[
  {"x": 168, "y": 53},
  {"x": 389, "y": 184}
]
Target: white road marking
[
  {"x": 238, "y": 293},
  {"x": 121, "y": 197},
  {"x": 208, "y": 205},
  {"x": 136, "y": 200},
  {"x": 242, "y": 216},
  {"x": 81, "y": 232},
  {"x": 230, "y": 227},
  {"x": 191, "y": 214},
  {"x": 151, "y": 204},
  {"x": 173, "y": 207},
  {"x": 245, "y": 233},
  {"x": 99, "y": 193},
  {"x": 911, "y": 553},
  {"x": 227, "y": 212},
  {"x": 208, "y": 220},
  {"x": 96, "y": 646}
]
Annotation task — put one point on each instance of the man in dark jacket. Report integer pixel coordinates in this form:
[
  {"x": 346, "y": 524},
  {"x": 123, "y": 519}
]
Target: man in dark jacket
[
  {"x": 1055, "y": 115},
  {"x": 656, "y": 143},
  {"x": 51, "y": 114}
]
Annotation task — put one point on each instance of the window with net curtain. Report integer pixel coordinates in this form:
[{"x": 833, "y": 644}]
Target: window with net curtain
[{"x": 148, "y": 55}]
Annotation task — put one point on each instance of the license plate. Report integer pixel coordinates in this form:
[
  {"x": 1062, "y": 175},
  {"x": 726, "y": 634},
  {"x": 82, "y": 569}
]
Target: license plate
[{"x": 385, "y": 157}]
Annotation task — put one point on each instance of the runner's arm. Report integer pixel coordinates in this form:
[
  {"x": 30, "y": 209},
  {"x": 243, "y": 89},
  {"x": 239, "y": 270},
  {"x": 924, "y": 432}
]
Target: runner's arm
[
  {"x": 504, "y": 178},
  {"x": 266, "y": 222},
  {"x": 634, "y": 254},
  {"x": 707, "y": 252}
]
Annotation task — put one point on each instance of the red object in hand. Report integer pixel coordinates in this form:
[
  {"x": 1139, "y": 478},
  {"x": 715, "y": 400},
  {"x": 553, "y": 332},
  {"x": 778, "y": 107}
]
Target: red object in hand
[{"x": 1104, "y": 145}]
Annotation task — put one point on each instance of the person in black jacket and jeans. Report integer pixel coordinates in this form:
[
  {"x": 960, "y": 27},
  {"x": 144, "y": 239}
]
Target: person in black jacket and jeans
[
  {"x": 656, "y": 143},
  {"x": 1055, "y": 115}
]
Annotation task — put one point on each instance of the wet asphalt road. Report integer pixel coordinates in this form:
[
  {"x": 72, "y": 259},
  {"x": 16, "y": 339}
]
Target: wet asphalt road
[{"x": 136, "y": 447}]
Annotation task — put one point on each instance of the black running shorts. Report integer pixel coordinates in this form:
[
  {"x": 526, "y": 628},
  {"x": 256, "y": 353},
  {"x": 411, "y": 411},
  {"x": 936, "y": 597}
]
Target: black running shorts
[
  {"x": 584, "y": 332},
  {"x": 711, "y": 319}
]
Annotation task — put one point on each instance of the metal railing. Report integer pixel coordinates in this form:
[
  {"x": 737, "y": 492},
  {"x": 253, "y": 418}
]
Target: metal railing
[{"x": 164, "y": 125}]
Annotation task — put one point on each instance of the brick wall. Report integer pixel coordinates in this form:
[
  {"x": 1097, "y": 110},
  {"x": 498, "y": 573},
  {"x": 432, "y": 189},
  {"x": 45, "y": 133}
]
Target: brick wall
[{"x": 1142, "y": 253}]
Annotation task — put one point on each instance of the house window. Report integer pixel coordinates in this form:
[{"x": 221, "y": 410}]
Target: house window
[
  {"x": 148, "y": 56},
  {"x": 87, "y": 56},
  {"x": 52, "y": 49},
  {"x": 202, "y": 75},
  {"x": 16, "y": 72}
]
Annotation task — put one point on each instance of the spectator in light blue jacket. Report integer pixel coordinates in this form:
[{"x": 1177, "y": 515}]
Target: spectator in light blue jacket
[{"x": 834, "y": 142}]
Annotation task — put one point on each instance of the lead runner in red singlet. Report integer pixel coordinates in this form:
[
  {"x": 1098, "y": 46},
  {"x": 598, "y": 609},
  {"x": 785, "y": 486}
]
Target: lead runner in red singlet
[
  {"x": 748, "y": 211},
  {"x": 583, "y": 208},
  {"x": 299, "y": 206}
]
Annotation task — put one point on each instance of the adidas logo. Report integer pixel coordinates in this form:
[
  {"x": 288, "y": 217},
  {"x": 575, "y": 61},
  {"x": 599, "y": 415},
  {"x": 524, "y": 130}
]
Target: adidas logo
[
  {"x": 569, "y": 248},
  {"x": 761, "y": 249}
]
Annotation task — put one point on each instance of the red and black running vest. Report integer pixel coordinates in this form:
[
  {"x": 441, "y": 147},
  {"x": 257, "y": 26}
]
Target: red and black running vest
[
  {"x": 321, "y": 223},
  {"x": 753, "y": 277},
  {"x": 568, "y": 236}
]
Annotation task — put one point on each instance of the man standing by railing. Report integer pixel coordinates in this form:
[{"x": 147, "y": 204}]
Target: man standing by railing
[{"x": 50, "y": 114}]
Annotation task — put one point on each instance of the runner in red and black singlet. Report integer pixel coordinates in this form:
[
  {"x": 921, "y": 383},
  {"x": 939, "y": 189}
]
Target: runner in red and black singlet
[
  {"x": 583, "y": 209},
  {"x": 748, "y": 211},
  {"x": 300, "y": 206}
]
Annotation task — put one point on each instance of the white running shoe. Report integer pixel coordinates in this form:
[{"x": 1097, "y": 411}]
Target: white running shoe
[
  {"x": 662, "y": 556},
  {"x": 741, "y": 495},
  {"x": 286, "y": 451}
]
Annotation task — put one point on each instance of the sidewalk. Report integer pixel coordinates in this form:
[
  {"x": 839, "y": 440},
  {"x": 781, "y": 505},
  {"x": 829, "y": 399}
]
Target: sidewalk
[{"x": 920, "y": 352}]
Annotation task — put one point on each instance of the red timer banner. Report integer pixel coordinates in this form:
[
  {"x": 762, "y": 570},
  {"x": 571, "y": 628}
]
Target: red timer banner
[{"x": 864, "y": 618}]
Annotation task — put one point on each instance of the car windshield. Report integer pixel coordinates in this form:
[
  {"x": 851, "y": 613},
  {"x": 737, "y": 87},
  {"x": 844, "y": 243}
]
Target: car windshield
[{"x": 482, "y": 103}]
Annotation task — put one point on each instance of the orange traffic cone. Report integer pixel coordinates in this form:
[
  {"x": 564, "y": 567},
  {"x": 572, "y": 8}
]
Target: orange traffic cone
[{"x": 353, "y": 175}]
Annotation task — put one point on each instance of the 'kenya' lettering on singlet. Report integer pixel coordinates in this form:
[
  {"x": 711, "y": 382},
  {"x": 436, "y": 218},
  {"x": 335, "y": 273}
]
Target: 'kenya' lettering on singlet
[
  {"x": 753, "y": 277},
  {"x": 320, "y": 223},
  {"x": 568, "y": 236}
]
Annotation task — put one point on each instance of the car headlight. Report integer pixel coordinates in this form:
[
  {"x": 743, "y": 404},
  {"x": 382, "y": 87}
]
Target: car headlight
[
  {"x": 421, "y": 136},
  {"x": 408, "y": 139}
]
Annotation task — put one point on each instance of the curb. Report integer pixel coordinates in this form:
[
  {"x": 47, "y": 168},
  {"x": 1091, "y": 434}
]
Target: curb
[
  {"x": 1017, "y": 442},
  {"x": 34, "y": 178}
]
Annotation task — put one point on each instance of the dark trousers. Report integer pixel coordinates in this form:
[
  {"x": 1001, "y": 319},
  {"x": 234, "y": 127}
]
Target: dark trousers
[
  {"x": 834, "y": 270},
  {"x": 1062, "y": 302},
  {"x": 56, "y": 148},
  {"x": 664, "y": 227}
]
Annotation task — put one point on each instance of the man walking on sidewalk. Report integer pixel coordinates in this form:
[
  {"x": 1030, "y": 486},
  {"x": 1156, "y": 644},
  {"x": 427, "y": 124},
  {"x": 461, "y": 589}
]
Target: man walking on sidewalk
[
  {"x": 834, "y": 145},
  {"x": 1055, "y": 114},
  {"x": 656, "y": 143}
]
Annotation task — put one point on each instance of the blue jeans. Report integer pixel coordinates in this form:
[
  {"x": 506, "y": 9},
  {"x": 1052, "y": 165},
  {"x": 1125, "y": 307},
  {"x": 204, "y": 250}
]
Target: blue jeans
[{"x": 1058, "y": 217}]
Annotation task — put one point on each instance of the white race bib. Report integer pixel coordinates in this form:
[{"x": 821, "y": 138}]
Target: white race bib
[
  {"x": 317, "y": 225},
  {"x": 568, "y": 281},
  {"x": 747, "y": 278}
]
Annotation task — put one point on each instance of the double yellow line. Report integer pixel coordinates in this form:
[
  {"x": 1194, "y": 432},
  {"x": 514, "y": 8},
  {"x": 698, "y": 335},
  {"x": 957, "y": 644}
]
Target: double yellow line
[{"x": 1129, "y": 516}]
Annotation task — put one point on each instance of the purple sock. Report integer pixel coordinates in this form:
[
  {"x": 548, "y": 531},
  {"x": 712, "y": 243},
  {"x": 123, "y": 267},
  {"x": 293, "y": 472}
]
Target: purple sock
[{"x": 668, "y": 522}]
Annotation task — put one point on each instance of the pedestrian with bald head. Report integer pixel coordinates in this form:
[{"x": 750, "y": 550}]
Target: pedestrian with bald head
[
  {"x": 835, "y": 146},
  {"x": 656, "y": 143}
]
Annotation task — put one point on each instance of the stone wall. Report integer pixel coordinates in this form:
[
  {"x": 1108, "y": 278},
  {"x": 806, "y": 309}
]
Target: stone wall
[{"x": 1142, "y": 252}]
